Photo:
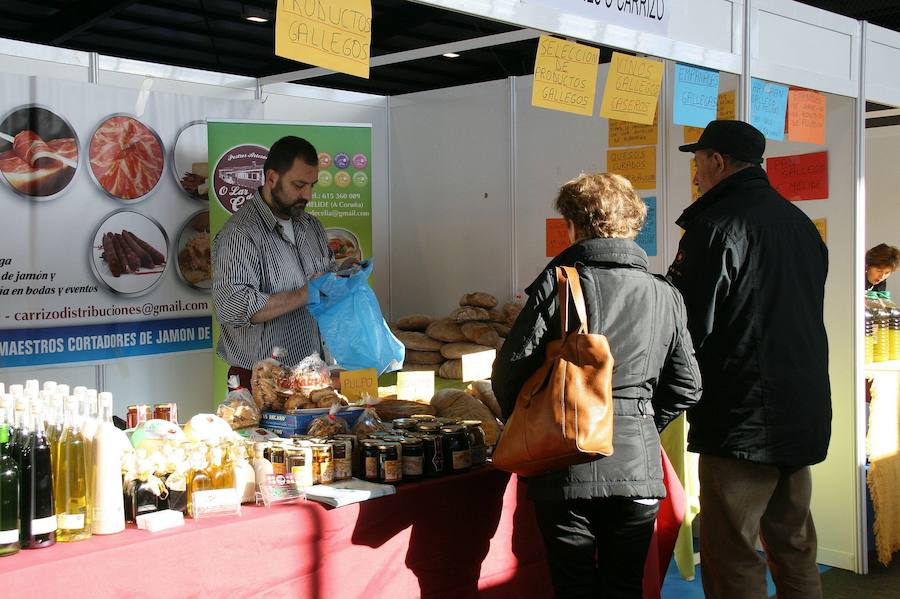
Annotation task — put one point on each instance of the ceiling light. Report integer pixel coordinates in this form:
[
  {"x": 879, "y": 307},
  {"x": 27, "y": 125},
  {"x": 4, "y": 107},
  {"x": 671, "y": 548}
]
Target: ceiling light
[
  {"x": 450, "y": 55},
  {"x": 255, "y": 14}
]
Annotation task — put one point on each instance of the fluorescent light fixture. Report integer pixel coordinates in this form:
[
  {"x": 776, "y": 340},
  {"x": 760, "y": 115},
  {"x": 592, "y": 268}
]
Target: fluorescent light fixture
[
  {"x": 450, "y": 55},
  {"x": 255, "y": 14}
]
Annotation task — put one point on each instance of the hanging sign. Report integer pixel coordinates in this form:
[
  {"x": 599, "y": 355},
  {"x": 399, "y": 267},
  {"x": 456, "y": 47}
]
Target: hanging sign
[
  {"x": 806, "y": 116},
  {"x": 768, "y": 107},
  {"x": 726, "y": 110},
  {"x": 801, "y": 177},
  {"x": 333, "y": 34},
  {"x": 822, "y": 226},
  {"x": 632, "y": 89},
  {"x": 625, "y": 134},
  {"x": 696, "y": 95},
  {"x": 647, "y": 236},
  {"x": 638, "y": 165},
  {"x": 557, "y": 236},
  {"x": 651, "y": 16},
  {"x": 565, "y": 76}
]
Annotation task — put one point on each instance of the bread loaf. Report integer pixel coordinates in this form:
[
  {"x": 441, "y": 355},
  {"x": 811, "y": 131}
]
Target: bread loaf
[
  {"x": 445, "y": 330},
  {"x": 483, "y": 391},
  {"x": 453, "y": 351},
  {"x": 512, "y": 312},
  {"x": 414, "y": 322},
  {"x": 451, "y": 369},
  {"x": 422, "y": 367},
  {"x": 502, "y": 329},
  {"x": 418, "y": 341},
  {"x": 495, "y": 315},
  {"x": 479, "y": 298},
  {"x": 467, "y": 313},
  {"x": 424, "y": 357},
  {"x": 480, "y": 333},
  {"x": 452, "y": 403},
  {"x": 389, "y": 409}
]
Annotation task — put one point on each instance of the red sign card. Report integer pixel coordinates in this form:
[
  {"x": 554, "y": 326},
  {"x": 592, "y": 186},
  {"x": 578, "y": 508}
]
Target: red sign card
[
  {"x": 557, "y": 236},
  {"x": 801, "y": 177}
]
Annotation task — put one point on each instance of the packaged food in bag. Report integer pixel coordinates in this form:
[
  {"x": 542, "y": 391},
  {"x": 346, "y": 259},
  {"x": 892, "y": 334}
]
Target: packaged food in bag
[
  {"x": 266, "y": 379},
  {"x": 368, "y": 422},
  {"x": 328, "y": 424},
  {"x": 311, "y": 374},
  {"x": 239, "y": 409}
]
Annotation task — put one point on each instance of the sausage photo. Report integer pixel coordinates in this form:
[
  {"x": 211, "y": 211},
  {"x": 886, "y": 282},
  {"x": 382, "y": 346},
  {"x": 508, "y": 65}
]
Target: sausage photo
[
  {"x": 143, "y": 256},
  {"x": 109, "y": 254},
  {"x": 157, "y": 256}
]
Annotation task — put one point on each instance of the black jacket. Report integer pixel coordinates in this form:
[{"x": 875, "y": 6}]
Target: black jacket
[
  {"x": 751, "y": 267},
  {"x": 655, "y": 376}
]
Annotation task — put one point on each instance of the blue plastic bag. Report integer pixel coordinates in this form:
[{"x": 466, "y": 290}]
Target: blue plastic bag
[{"x": 351, "y": 323}]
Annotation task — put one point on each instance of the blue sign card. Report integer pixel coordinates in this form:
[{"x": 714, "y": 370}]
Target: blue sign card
[
  {"x": 647, "y": 236},
  {"x": 696, "y": 95},
  {"x": 768, "y": 107}
]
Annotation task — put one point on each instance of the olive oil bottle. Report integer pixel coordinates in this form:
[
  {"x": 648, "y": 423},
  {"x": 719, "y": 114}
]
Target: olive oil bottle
[{"x": 74, "y": 511}]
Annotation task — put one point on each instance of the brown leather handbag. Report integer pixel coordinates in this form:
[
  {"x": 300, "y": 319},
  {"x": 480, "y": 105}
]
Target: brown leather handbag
[{"x": 564, "y": 411}]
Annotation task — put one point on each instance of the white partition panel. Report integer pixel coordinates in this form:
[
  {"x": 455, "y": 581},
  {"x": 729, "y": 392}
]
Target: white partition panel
[
  {"x": 701, "y": 32},
  {"x": 800, "y": 45},
  {"x": 882, "y": 62},
  {"x": 883, "y": 192},
  {"x": 450, "y": 204}
]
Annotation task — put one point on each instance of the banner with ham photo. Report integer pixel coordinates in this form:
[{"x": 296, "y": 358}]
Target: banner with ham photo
[
  {"x": 106, "y": 232},
  {"x": 342, "y": 199}
]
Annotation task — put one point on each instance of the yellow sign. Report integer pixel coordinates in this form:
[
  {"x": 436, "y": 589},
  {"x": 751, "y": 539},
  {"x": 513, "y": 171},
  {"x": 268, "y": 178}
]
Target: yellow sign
[
  {"x": 695, "y": 191},
  {"x": 632, "y": 89},
  {"x": 417, "y": 385},
  {"x": 638, "y": 165},
  {"x": 334, "y": 34},
  {"x": 354, "y": 383},
  {"x": 625, "y": 134},
  {"x": 477, "y": 366},
  {"x": 565, "y": 76},
  {"x": 725, "y": 111},
  {"x": 822, "y": 226}
]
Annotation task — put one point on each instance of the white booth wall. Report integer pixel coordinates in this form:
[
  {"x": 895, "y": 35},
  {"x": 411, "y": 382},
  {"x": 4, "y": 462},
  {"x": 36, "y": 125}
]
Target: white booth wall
[{"x": 883, "y": 192}]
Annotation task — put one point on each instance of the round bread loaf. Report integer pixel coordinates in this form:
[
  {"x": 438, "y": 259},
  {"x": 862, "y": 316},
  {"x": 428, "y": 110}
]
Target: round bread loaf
[
  {"x": 445, "y": 330},
  {"x": 467, "y": 313},
  {"x": 423, "y": 357},
  {"x": 479, "y": 299},
  {"x": 480, "y": 333},
  {"x": 454, "y": 351},
  {"x": 451, "y": 369},
  {"x": 414, "y": 322},
  {"x": 418, "y": 341}
]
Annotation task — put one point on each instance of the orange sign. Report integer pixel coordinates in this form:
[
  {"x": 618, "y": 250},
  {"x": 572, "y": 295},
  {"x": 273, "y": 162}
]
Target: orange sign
[
  {"x": 806, "y": 116},
  {"x": 822, "y": 225},
  {"x": 557, "y": 236}
]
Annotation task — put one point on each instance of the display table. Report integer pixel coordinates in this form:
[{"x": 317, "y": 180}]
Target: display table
[
  {"x": 458, "y": 536},
  {"x": 883, "y": 448}
]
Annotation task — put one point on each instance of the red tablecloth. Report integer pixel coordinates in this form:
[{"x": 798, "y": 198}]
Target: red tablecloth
[{"x": 461, "y": 536}]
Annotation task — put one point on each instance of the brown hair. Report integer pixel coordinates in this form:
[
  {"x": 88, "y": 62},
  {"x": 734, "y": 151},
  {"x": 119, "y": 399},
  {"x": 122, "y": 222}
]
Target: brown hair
[
  {"x": 602, "y": 205},
  {"x": 883, "y": 255}
]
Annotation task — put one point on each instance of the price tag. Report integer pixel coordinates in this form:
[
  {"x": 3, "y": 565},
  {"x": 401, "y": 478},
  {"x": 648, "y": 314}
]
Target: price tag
[
  {"x": 279, "y": 488},
  {"x": 415, "y": 385},
  {"x": 477, "y": 366},
  {"x": 355, "y": 383}
]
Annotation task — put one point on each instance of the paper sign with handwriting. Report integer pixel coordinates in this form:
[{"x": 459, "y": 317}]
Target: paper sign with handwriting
[
  {"x": 695, "y": 191},
  {"x": 565, "y": 76},
  {"x": 637, "y": 165},
  {"x": 415, "y": 385},
  {"x": 822, "y": 225},
  {"x": 696, "y": 95},
  {"x": 806, "y": 116},
  {"x": 632, "y": 89},
  {"x": 477, "y": 366},
  {"x": 355, "y": 383},
  {"x": 623, "y": 134},
  {"x": 801, "y": 177},
  {"x": 725, "y": 111},
  {"x": 646, "y": 237},
  {"x": 557, "y": 236},
  {"x": 333, "y": 34},
  {"x": 768, "y": 106}
]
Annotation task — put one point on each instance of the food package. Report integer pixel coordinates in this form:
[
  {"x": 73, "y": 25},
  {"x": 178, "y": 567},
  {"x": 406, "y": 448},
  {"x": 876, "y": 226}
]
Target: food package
[
  {"x": 418, "y": 341},
  {"x": 318, "y": 398},
  {"x": 423, "y": 357},
  {"x": 266, "y": 381},
  {"x": 391, "y": 409},
  {"x": 480, "y": 332},
  {"x": 445, "y": 330},
  {"x": 478, "y": 299},
  {"x": 368, "y": 422},
  {"x": 309, "y": 375},
  {"x": 239, "y": 409},
  {"x": 153, "y": 434},
  {"x": 208, "y": 428},
  {"x": 329, "y": 424},
  {"x": 414, "y": 322},
  {"x": 453, "y": 403},
  {"x": 483, "y": 391}
]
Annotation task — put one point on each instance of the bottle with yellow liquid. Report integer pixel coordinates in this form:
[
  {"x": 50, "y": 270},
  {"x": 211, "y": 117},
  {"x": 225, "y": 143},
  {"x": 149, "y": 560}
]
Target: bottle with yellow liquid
[
  {"x": 882, "y": 329},
  {"x": 71, "y": 481},
  {"x": 200, "y": 475},
  {"x": 223, "y": 467},
  {"x": 893, "y": 326},
  {"x": 869, "y": 329}
]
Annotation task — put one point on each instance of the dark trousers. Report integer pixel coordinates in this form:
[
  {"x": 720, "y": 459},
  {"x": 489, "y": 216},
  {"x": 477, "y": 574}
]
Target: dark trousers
[
  {"x": 596, "y": 547},
  {"x": 741, "y": 501}
]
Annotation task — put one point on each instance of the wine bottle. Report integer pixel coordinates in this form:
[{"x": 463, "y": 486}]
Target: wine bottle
[
  {"x": 106, "y": 482},
  {"x": 9, "y": 496},
  {"x": 71, "y": 478},
  {"x": 37, "y": 490}
]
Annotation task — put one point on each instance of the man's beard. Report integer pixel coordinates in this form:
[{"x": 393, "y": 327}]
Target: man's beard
[{"x": 284, "y": 209}]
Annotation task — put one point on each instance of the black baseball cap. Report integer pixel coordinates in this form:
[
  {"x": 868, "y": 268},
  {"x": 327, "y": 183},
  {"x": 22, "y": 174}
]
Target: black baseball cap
[{"x": 737, "y": 139}]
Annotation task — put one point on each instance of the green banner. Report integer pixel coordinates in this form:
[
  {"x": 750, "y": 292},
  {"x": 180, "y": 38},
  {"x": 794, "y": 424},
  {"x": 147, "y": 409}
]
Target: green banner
[{"x": 342, "y": 199}]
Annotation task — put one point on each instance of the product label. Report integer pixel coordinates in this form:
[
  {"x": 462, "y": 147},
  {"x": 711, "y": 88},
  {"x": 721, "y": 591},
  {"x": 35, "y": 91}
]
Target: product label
[
  {"x": 9, "y": 536},
  {"x": 107, "y": 513},
  {"x": 412, "y": 465},
  {"x": 279, "y": 468},
  {"x": 42, "y": 526},
  {"x": 70, "y": 521},
  {"x": 326, "y": 473},
  {"x": 391, "y": 471},
  {"x": 303, "y": 476},
  {"x": 462, "y": 460},
  {"x": 342, "y": 469},
  {"x": 371, "y": 468}
]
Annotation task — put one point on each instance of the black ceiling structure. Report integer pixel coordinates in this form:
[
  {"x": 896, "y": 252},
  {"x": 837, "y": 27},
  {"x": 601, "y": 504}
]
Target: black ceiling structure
[{"x": 214, "y": 35}]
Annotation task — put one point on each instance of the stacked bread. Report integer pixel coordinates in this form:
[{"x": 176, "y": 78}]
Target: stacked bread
[{"x": 439, "y": 344}]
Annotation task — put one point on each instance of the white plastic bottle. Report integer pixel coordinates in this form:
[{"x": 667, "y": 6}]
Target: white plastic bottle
[
  {"x": 109, "y": 510},
  {"x": 244, "y": 475},
  {"x": 261, "y": 466}
]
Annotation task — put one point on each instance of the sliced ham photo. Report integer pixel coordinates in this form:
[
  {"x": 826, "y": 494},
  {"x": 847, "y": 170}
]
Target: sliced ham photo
[
  {"x": 126, "y": 157},
  {"x": 38, "y": 168}
]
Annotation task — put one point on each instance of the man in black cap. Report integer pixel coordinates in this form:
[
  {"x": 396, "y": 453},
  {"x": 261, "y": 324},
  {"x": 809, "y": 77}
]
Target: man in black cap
[{"x": 752, "y": 269}]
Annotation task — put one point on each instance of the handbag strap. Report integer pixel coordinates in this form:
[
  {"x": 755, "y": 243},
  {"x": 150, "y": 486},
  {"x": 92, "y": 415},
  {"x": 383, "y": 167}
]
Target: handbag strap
[{"x": 567, "y": 281}]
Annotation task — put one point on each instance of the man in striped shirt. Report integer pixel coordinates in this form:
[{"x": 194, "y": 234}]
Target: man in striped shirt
[{"x": 262, "y": 260}]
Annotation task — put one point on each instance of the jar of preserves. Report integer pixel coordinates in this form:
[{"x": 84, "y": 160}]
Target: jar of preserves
[
  {"x": 356, "y": 468},
  {"x": 477, "y": 442},
  {"x": 403, "y": 424},
  {"x": 430, "y": 427},
  {"x": 323, "y": 464},
  {"x": 342, "y": 454},
  {"x": 138, "y": 415},
  {"x": 390, "y": 468},
  {"x": 445, "y": 421},
  {"x": 369, "y": 450},
  {"x": 457, "y": 456},
  {"x": 299, "y": 463},
  {"x": 422, "y": 417},
  {"x": 166, "y": 411},
  {"x": 432, "y": 454},
  {"x": 412, "y": 450},
  {"x": 277, "y": 457}
]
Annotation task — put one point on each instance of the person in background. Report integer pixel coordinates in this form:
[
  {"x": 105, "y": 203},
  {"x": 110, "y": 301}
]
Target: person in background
[
  {"x": 752, "y": 267},
  {"x": 262, "y": 260},
  {"x": 597, "y": 518},
  {"x": 881, "y": 261}
]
